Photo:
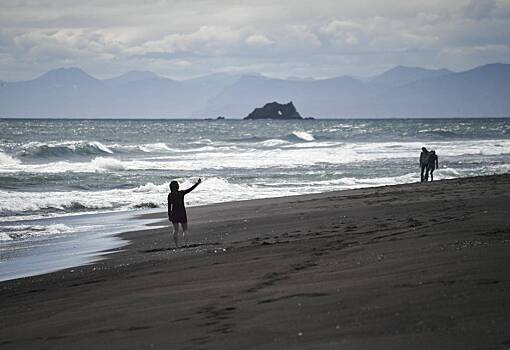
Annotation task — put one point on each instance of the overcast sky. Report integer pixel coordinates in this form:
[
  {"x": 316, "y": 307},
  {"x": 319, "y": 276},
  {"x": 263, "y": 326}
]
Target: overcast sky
[{"x": 187, "y": 38}]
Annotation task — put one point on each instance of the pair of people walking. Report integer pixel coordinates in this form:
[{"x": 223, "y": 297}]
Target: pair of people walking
[{"x": 428, "y": 163}]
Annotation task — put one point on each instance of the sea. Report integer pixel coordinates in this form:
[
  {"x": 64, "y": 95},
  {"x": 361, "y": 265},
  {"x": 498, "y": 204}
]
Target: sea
[{"x": 67, "y": 185}]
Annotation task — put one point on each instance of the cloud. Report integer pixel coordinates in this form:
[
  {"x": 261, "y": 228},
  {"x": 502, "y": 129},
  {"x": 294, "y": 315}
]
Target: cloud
[
  {"x": 210, "y": 39},
  {"x": 258, "y": 40},
  {"x": 380, "y": 35},
  {"x": 479, "y": 9},
  {"x": 284, "y": 38},
  {"x": 346, "y": 32},
  {"x": 301, "y": 36}
]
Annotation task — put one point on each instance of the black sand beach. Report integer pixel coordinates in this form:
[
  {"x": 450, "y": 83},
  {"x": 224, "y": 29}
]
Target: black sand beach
[{"x": 417, "y": 266}]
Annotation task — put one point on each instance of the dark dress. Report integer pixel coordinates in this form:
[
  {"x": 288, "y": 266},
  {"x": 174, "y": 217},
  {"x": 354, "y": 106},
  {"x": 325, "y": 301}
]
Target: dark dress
[{"x": 176, "y": 209}]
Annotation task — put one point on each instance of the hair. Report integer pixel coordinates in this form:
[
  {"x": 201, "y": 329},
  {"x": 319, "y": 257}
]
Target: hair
[
  {"x": 424, "y": 149},
  {"x": 174, "y": 186}
]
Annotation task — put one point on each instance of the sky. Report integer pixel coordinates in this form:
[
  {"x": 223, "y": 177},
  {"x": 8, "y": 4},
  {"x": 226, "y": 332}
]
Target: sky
[{"x": 182, "y": 39}]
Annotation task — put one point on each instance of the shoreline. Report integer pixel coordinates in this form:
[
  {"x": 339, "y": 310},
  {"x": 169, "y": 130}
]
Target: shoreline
[
  {"x": 90, "y": 236},
  {"x": 111, "y": 237},
  {"x": 422, "y": 265}
]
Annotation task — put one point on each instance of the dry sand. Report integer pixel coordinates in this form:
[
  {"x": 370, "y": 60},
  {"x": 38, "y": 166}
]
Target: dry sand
[{"x": 418, "y": 266}]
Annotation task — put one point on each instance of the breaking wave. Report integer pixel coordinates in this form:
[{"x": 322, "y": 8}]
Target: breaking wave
[
  {"x": 439, "y": 132},
  {"x": 5, "y": 159},
  {"x": 301, "y": 136},
  {"x": 273, "y": 143},
  {"x": 269, "y": 154},
  {"x": 144, "y": 148},
  {"x": 36, "y": 150},
  {"x": 103, "y": 163},
  {"x": 212, "y": 190}
]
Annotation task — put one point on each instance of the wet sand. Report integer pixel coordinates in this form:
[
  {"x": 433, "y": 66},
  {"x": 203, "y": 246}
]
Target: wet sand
[{"x": 417, "y": 266}]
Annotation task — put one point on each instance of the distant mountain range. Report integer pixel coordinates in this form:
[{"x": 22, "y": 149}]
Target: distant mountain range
[{"x": 399, "y": 92}]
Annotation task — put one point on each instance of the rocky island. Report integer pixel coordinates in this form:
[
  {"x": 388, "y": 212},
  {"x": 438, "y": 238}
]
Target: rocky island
[{"x": 275, "y": 110}]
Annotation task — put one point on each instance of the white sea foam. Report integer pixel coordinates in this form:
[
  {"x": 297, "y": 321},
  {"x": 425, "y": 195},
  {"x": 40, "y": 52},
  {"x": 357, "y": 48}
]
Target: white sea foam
[
  {"x": 4, "y": 237},
  {"x": 286, "y": 156},
  {"x": 121, "y": 148},
  {"x": 21, "y": 232},
  {"x": 18, "y": 202},
  {"x": 432, "y": 130},
  {"x": 350, "y": 182},
  {"x": 150, "y": 187},
  {"x": 102, "y": 163},
  {"x": 303, "y": 135},
  {"x": 146, "y": 147},
  {"x": 447, "y": 172},
  {"x": 213, "y": 189},
  {"x": 6, "y": 160},
  {"x": 203, "y": 142},
  {"x": 45, "y": 149},
  {"x": 155, "y": 147},
  {"x": 164, "y": 148},
  {"x": 273, "y": 143},
  {"x": 100, "y": 146}
]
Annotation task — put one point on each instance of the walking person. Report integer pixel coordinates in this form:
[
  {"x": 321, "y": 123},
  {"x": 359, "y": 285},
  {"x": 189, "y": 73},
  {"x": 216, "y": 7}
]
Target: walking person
[
  {"x": 424, "y": 159},
  {"x": 177, "y": 211},
  {"x": 432, "y": 164}
]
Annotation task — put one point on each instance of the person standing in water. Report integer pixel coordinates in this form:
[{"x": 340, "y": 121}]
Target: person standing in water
[
  {"x": 424, "y": 160},
  {"x": 177, "y": 210},
  {"x": 432, "y": 164}
]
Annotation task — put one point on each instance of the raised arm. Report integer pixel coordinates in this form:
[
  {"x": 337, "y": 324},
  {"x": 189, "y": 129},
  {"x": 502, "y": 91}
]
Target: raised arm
[{"x": 192, "y": 187}]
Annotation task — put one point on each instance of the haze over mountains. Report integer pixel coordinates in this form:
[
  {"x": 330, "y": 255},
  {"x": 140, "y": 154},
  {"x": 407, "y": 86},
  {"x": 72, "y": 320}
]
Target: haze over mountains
[{"x": 399, "y": 92}]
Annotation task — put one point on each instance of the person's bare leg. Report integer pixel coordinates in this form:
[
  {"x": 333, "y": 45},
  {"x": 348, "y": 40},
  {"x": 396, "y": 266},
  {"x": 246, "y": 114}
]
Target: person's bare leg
[
  {"x": 176, "y": 233},
  {"x": 184, "y": 231},
  {"x": 431, "y": 175}
]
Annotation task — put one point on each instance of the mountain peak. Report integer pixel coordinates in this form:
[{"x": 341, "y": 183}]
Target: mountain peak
[
  {"x": 140, "y": 75},
  {"x": 491, "y": 67},
  {"x": 133, "y": 76},
  {"x": 409, "y": 69},
  {"x": 66, "y": 71},
  {"x": 66, "y": 75},
  {"x": 402, "y": 75}
]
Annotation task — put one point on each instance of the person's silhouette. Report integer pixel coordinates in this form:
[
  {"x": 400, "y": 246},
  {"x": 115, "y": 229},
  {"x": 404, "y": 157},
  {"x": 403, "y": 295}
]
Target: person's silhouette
[
  {"x": 176, "y": 209},
  {"x": 424, "y": 159},
  {"x": 432, "y": 164}
]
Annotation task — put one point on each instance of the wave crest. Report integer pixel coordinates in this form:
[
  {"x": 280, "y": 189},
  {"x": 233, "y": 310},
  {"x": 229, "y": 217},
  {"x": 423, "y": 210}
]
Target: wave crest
[
  {"x": 103, "y": 163},
  {"x": 273, "y": 143},
  {"x": 6, "y": 159},
  {"x": 302, "y": 135},
  {"x": 64, "y": 149},
  {"x": 439, "y": 132},
  {"x": 154, "y": 147},
  {"x": 158, "y": 147}
]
